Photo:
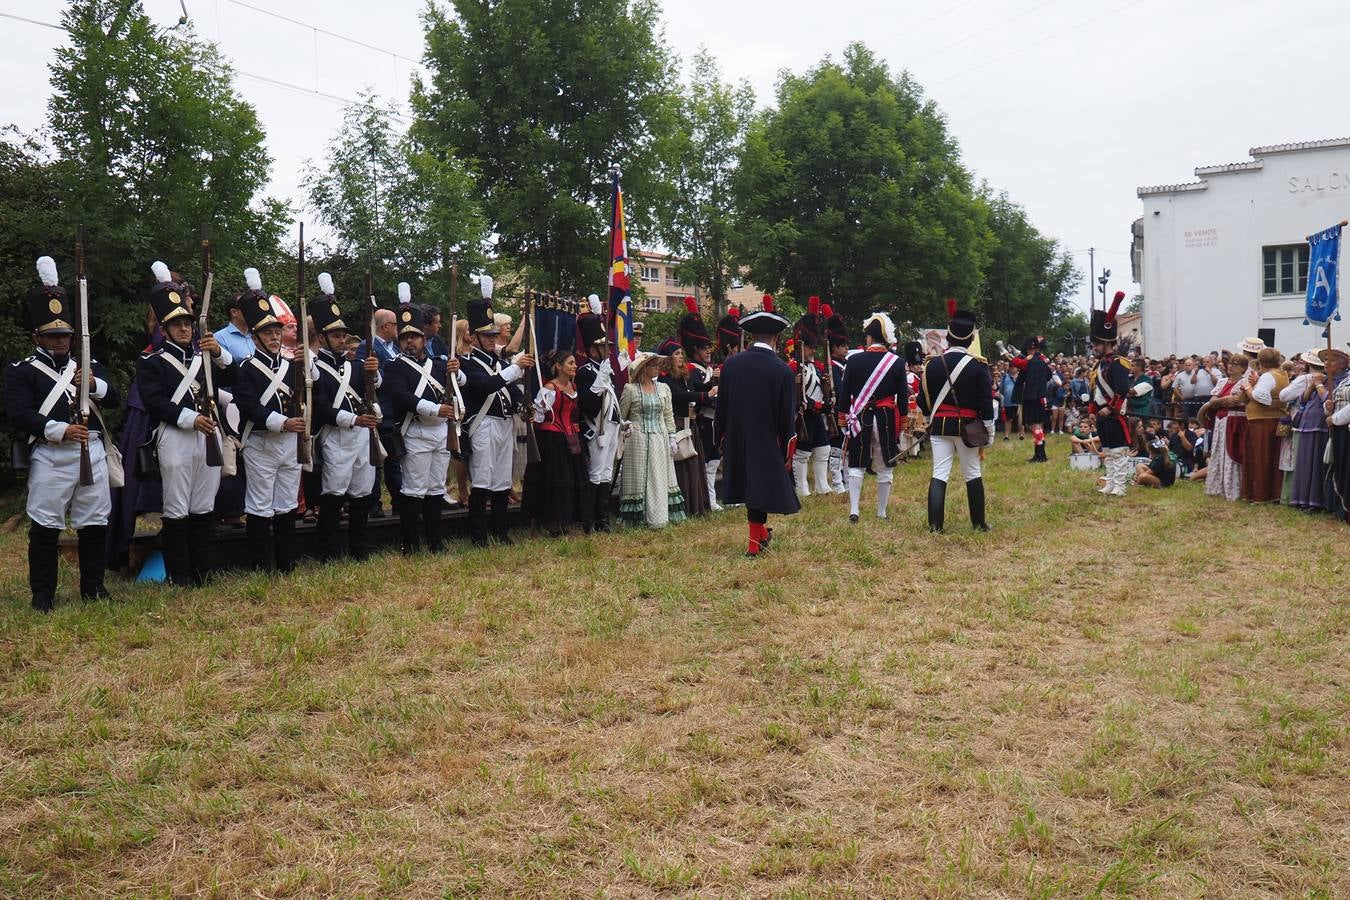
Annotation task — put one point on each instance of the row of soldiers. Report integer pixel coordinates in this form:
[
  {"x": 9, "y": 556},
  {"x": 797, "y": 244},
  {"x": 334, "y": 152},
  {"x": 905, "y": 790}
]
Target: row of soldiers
[{"x": 844, "y": 423}]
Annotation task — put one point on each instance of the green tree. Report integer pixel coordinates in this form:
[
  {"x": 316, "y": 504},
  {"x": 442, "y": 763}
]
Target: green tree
[
  {"x": 701, "y": 151},
  {"x": 541, "y": 97},
  {"x": 1028, "y": 279},
  {"x": 151, "y": 142},
  {"x": 385, "y": 196},
  {"x": 853, "y": 189},
  {"x": 30, "y": 209}
]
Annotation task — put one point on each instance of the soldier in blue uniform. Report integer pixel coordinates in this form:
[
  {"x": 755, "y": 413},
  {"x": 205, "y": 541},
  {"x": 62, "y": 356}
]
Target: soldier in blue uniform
[
  {"x": 262, "y": 391},
  {"x": 172, "y": 384},
  {"x": 957, "y": 387},
  {"x": 418, "y": 388},
  {"x": 1109, "y": 387},
  {"x": 813, "y": 439},
  {"x": 1033, "y": 380},
  {"x": 41, "y": 401},
  {"x": 492, "y": 394},
  {"x": 342, "y": 430},
  {"x": 756, "y": 408},
  {"x": 874, "y": 406},
  {"x": 600, "y": 422}
]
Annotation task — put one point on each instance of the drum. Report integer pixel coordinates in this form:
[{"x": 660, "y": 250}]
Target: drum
[{"x": 1082, "y": 462}]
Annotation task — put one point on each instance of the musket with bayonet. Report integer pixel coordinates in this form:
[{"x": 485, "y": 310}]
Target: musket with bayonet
[
  {"x": 452, "y": 433},
  {"x": 207, "y": 404},
  {"x": 527, "y": 410},
  {"x": 368, "y": 402},
  {"x": 302, "y": 385},
  {"x": 86, "y": 371}
]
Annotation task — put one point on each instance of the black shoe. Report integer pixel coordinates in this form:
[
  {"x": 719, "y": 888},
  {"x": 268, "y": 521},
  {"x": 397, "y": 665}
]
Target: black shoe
[
  {"x": 853, "y": 518},
  {"x": 937, "y": 505},
  {"x": 43, "y": 604}
]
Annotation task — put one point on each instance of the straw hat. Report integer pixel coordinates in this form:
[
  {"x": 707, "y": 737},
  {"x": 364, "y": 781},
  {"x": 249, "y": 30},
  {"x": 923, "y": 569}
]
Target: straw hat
[
  {"x": 1323, "y": 354},
  {"x": 1252, "y": 346},
  {"x": 641, "y": 361},
  {"x": 1312, "y": 358}
]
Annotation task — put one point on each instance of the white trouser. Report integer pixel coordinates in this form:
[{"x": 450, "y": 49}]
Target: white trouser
[
  {"x": 837, "y": 470},
  {"x": 190, "y": 485},
  {"x": 493, "y": 445},
  {"x": 711, "y": 467},
  {"x": 800, "y": 459},
  {"x": 346, "y": 461},
  {"x": 426, "y": 462},
  {"x": 945, "y": 449},
  {"x": 54, "y": 488},
  {"x": 1119, "y": 464},
  {"x": 820, "y": 468},
  {"x": 603, "y": 449},
  {"x": 273, "y": 483}
]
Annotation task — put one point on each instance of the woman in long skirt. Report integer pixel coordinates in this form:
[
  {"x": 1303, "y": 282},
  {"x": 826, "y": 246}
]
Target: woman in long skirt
[
  {"x": 1336, "y": 487},
  {"x": 1261, "y": 475},
  {"x": 1310, "y": 425},
  {"x": 648, "y": 491},
  {"x": 691, "y": 473},
  {"x": 1224, "y": 478},
  {"x": 553, "y": 487}
]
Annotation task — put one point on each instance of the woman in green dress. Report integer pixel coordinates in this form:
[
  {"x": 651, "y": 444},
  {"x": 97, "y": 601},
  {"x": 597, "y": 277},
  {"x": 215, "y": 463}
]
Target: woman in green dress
[{"x": 648, "y": 492}]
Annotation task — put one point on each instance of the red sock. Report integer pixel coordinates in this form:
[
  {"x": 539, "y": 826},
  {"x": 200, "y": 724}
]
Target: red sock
[{"x": 757, "y": 535}]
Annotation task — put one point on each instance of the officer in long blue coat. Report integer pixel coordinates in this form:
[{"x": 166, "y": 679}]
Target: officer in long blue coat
[{"x": 756, "y": 415}]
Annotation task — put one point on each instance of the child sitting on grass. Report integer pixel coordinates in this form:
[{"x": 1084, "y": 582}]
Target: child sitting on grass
[
  {"x": 1161, "y": 470},
  {"x": 1083, "y": 436}
]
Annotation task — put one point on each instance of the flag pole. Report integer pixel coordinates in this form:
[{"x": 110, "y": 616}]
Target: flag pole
[{"x": 1342, "y": 223}]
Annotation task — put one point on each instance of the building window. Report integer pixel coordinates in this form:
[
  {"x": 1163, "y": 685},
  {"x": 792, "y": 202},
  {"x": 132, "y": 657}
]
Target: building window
[
  {"x": 651, "y": 274},
  {"x": 651, "y": 303},
  {"x": 737, "y": 284},
  {"x": 1284, "y": 270}
]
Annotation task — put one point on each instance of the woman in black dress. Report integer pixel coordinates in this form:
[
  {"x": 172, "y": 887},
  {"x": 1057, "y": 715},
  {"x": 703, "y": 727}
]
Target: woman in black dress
[{"x": 691, "y": 473}]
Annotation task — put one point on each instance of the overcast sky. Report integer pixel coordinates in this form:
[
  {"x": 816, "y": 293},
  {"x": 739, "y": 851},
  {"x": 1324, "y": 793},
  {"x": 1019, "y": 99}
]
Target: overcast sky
[{"x": 1068, "y": 105}]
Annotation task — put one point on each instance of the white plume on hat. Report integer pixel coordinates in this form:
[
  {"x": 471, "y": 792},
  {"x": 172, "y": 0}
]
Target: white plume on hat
[
  {"x": 161, "y": 271},
  {"x": 485, "y": 283},
  {"x": 325, "y": 282},
  {"x": 46, "y": 267},
  {"x": 593, "y": 301},
  {"x": 404, "y": 292},
  {"x": 253, "y": 279},
  {"x": 887, "y": 326}
]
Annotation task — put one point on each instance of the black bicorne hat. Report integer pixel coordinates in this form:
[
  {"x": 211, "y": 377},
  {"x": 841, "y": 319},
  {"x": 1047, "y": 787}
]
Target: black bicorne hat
[
  {"x": 961, "y": 325},
  {"x": 49, "y": 310},
  {"x": 765, "y": 320}
]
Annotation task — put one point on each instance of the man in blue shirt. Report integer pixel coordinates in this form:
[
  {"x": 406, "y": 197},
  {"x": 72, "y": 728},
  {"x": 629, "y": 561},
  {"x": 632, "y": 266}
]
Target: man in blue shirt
[{"x": 235, "y": 337}]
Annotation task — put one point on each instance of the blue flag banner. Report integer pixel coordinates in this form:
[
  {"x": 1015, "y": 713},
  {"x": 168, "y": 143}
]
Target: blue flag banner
[{"x": 1324, "y": 254}]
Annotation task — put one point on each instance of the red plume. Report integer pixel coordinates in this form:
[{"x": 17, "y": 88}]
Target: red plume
[
  {"x": 767, "y": 304},
  {"x": 951, "y": 307},
  {"x": 1115, "y": 305},
  {"x": 734, "y": 312},
  {"x": 826, "y": 311},
  {"x": 813, "y": 305},
  {"x": 691, "y": 304}
]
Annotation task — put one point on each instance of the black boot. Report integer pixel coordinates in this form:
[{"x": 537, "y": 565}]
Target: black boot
[
  {"x": 975, "y": 497},
  {"x": 432, "y": 507},
  {"x": 93, "y": 561},
  {"x": 1039, "y": 454},
  {"x": 283, "y": 537},
  {"x": 173, "y": 544},
  {"x": 410, "y": 525},
  {"x": 501, "y": 501},
  {"x": 330, "y": 526},
  {"x": 601, "y": 508},
  {"x": 42, "y": 565},
  {"x": 358, "y": 514},
  {"x": 201, "y": 536},
  {"x": 258, "y": 535},
  {"x": 937, "y": 505},
  {"x": 478, "y": 515}
]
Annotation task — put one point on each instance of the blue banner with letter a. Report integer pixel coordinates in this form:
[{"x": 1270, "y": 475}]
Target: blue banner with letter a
[{"x": 1324, "y": 255}]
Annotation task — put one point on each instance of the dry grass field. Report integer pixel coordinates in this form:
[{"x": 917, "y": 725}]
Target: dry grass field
[{"x": 1139, "y": 697}]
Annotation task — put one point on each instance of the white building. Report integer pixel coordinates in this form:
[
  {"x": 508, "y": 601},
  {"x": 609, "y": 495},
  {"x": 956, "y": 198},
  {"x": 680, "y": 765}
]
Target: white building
[{"x": 1221, "y": 258}]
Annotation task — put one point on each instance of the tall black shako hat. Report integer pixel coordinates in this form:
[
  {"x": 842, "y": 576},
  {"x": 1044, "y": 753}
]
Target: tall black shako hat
[
  {"x": 324, "y": 310},
  {"x": 255, "y": 305},
  {"x": 729, "y": 330},
  {"x": 692, "y": 332},
  {"x": 592, "y": 328},
  {"x": 807, "y": 328},
  {"x": 1104, "y": 326},
  {"x": 411, "y": 319},
  {"x": 961, "y": 325},
  {"x": 480, "y": 311},
  {"x": 764, "y": 320},
  {"x": 165, "y": 296},
  {"x": 48, "y": 309},
  {"x": 835, "y": 326}
]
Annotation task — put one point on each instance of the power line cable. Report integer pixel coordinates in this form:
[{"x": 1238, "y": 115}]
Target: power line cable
[
  {"x": 324, "y": 31},
  {"x": 922, "y": 22},
  {"x": 1037, "y": 42},
  {"x": 30, "y": 21},
  {"x": 974, "y": 34}
]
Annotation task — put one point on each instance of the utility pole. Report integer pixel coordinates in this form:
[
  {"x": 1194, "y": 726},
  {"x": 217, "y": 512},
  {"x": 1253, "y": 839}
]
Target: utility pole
[{"x": 1092, "y": 276}]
